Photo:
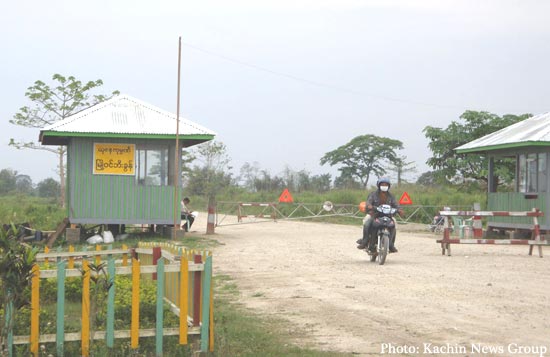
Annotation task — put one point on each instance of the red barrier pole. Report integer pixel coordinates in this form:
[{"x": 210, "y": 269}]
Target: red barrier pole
[
  {"x": 478, "y": 227},
  {"x": 210, "y": 225}
]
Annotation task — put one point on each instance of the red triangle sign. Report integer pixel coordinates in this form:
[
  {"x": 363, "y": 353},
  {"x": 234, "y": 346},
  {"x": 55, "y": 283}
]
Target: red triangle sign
[
  {"x": 286, "y": 196},
  {"x": 405, "y": 199}
]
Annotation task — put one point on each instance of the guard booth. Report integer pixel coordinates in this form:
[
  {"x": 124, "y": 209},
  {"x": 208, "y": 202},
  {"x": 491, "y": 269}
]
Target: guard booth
[
  {"x": 121, "y": 161},
  {"x": 527, "y": 145}
]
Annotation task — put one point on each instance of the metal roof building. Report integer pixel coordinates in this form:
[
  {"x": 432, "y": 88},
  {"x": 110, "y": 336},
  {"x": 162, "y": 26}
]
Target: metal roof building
[
  {"x": 121, "y": 161},
  {"x": 528, "y": 143}
]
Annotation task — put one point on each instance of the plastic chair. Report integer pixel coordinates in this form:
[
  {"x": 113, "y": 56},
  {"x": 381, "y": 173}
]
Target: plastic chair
[{"x": 464, "y": 226}]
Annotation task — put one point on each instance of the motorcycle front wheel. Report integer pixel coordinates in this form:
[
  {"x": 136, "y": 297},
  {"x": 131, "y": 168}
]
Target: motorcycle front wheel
[
  {"x": 383, "y": 248},
  {"x": 372, "y": 257}
]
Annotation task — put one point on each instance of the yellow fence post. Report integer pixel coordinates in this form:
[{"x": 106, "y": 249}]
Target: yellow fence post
[
  {"x": 134, "y": 330},
  {"x": 71, "y": 259},
  {"x": 97, "y": 257},
  {"x": 85, "y": 309},
  {"x": 125, "y": 256},
  {"x": 46, "y": 260},
  {"x": 35, "y": 309}
]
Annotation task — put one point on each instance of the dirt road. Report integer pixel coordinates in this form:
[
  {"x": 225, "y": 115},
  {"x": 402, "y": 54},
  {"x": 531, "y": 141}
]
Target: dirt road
[{"x": 483, "y": 300}]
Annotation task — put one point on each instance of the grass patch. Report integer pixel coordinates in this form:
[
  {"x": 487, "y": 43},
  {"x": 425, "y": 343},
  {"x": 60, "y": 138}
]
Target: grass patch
[{"x": 241, "y": 332}]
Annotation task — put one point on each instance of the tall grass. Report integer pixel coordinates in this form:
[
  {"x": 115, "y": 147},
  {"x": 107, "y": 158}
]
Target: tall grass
[
  {"x": 420, "y": 195},
  {"x": 431, "y": 199},
  {"x": 45, "y": 214},
  {"x": 41, "y": 213}
]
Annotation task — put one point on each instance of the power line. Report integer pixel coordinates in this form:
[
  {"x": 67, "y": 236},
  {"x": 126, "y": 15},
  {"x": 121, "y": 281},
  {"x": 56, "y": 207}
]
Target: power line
[{"x": 318, "y": 84}]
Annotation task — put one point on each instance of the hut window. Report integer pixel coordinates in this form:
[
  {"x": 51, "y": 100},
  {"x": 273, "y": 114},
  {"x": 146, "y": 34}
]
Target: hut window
[
  {"x": 532, "y": 173},
  {"x": 152, "y": 166},
  {"x": 542, "y": 175}
]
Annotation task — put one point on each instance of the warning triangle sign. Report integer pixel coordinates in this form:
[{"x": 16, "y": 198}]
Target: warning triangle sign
[
  {"x": 286, "y": 196},
  {"x": 405, "y": 199}
]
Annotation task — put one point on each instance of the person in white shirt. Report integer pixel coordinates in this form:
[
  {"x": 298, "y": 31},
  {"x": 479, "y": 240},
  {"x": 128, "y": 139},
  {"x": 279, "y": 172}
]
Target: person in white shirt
[{"x": 187, "y": 217}]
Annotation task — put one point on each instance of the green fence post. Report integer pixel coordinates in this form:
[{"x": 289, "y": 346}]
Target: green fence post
[
  {"x": 9, "y": 326},
  {"x": 206, "y": 303},
  {"x": 60, "y": 335},
  {"x": 59, "y": 250},
  {"x": 160, "y": 306}
]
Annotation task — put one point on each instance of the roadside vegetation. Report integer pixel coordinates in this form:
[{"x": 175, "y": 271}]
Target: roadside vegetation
[
  {"x": 238, "y": 331},
  {"x": 457, "y": 180}
]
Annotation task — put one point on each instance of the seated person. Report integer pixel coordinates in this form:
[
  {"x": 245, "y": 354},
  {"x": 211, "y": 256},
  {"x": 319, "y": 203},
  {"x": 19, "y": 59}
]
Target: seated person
[{"x": 187, "y": 217}]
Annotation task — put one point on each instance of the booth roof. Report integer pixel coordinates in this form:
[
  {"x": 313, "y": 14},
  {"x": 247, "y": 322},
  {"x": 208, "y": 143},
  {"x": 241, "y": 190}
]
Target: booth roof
[
  {"x": 123, "y": 116},
  {"x": 534, "y": 131}
]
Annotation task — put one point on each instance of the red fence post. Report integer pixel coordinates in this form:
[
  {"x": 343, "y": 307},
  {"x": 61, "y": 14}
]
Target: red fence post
[
  {"x": 536, "y": 234},
  {"x": 157, "y": 254}
]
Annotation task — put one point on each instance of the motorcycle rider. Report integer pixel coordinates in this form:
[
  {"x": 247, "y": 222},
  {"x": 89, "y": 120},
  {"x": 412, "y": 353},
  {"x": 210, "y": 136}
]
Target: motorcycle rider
[{"x": 376, "y": 198}]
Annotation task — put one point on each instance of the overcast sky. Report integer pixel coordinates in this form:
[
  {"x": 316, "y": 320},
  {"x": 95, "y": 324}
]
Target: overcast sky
[{"x": 284, "y": 82}]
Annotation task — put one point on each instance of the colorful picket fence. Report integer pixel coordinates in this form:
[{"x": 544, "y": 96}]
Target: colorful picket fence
[{"x": 183, "y": 279}]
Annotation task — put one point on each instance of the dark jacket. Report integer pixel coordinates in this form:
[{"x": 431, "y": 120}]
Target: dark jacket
[{"x": 377, "y": 198}]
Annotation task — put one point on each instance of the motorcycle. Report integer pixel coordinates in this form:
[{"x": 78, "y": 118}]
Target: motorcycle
[
  {"x": 438, "y": 222},
  {"x": 381, "y": 230},
  {"x": 437, "y": 225}
]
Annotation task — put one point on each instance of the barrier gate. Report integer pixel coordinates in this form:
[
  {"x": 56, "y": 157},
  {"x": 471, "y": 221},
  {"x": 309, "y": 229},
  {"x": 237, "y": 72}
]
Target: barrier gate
[{"x": 478, "y": 230}]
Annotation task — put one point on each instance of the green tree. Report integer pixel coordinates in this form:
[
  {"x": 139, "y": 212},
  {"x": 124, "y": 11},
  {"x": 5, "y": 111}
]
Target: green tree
[
  {"x": 23, "y": 184},
  {"x": 48, "y": 188},
  {"x": 363, "y": 156},
  {"x": 7, "y": 181},
  {"x": 50, "y": 104},
  {"x": 212, "y": 174},
  {"x": 248, "y": 175},
  {"x": 447, "y": 162},
  {"x": 297, "y": 181},
  {"x": 321, "y": 183},
  {"x": 401, "y": 166},
  {"x": 266, "y": 182},
  {"x": 431, "y": 179},
  {"x": 187, "y": 159},
  {"x": 347, "y": 183}
]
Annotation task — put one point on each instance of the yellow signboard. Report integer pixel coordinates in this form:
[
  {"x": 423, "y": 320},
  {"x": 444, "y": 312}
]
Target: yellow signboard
[{"x": 114, "y": 159}]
